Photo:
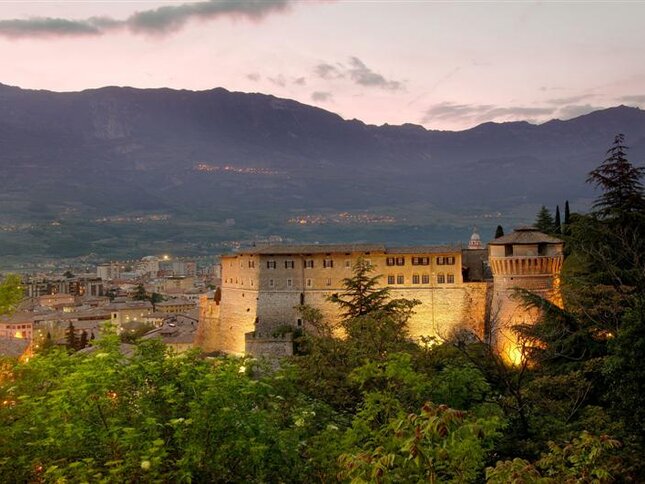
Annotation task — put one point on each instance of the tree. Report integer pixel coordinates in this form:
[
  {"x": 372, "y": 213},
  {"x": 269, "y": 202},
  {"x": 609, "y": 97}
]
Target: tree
[
  {"x": 47, "y": 342},
  {"x": 140, "y": 293},
  {"x": 544, "y": 221},
  {"x": 82, "y": 343},
  {"x": 68, "y": 274},
  {"x": 499, "y": 232},
  {"x": 556, "y": 223},
  {"x": 11, "y": 293},
  {"x": 620, "y": 182},
  {"x": 567, "y": 219},
  {"x": 155, "y": 298},
  {"x": 362, "y": 295},
  {"x": 70, "y": 337}
]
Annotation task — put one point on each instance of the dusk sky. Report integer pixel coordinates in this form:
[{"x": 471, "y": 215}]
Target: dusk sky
[{"x": 445, "y": 65}]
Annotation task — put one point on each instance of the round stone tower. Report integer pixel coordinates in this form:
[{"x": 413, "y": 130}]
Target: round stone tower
[{"x": 525, "y": 259}]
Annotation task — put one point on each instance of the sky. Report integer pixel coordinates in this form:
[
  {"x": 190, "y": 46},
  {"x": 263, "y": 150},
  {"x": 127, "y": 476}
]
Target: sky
[{"x": 444, "y": 65}]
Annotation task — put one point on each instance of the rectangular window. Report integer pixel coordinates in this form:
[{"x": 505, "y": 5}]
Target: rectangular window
[
  {"x": 289, "y": 264},
  {"x": 425, "y": 279},
  {"x": 328, "y": 263},
  {"x": 400, "y": 261},
  {"x": 441, "y": 279},
  {"x": 450, "y": 261},
  {"x": 348, "y": 264},
  {"x": 289, "y": 282},
  {"x": 441, "y": 261},
  {"x": 271, "y": 283},
  {"x": 450, "y": 278},
  {"x": 390, "y": 280},
  {"x": 309, "y": 263},
  {"x": 329, "y": 281},
  {"x": 420, "y": 261},
  {"x": 271, "y": 264},
  {"x": 389, "y": 261},
  {"x": 399, "y": 279},
  {"x": 415, "y": 279},
  {"x": 309, "y": 284},
  {"x": 251, "y": 264}
]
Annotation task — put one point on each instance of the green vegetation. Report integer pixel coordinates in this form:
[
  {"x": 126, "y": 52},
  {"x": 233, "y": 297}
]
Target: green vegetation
[{"x": 370, "y": 406}]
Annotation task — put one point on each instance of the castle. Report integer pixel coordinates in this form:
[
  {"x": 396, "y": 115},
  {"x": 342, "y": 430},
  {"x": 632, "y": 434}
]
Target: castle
[{"x": 262, "y": 287}]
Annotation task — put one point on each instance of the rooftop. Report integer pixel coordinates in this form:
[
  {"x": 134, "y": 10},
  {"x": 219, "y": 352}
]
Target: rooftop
[
  {"x": 526, "y": 235},
  {"x": 347, "y": 249}
]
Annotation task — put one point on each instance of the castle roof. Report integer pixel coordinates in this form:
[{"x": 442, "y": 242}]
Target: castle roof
[
  {"x": 526, "y": 235},
  {"x": 348, "y": 248}
]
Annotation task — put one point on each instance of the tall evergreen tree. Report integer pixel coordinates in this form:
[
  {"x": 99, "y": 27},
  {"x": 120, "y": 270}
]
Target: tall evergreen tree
[
  {"x": 499, "y": 232},
  {"x": 567, "y": 219},
  {"x": 70, "y": 336},
  {"x": 620, "y": 182},
  {"x": 83, "y": 341},
  {"x": 544, "y": 221},
  {"x": 557, "y": 225},
  {"x": 140, "y": 293}
]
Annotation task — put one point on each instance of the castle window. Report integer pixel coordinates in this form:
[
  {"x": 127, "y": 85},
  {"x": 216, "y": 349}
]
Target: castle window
[
  {"x": 450, "y": 261},
  {"x": 251, "y": 264},
  {"x": 289, "y": 264},
  {"x": 271, "y": 264},
  {"x": 508, "y": 250},
  {"x": 348, "y": 264},
  {"x": 400, "y": 279},
  {"x": 289, "y": 282},
  {"x": 299, "y": 323},
  {"x": 400, "y": 261},
  {"x": 309, "y": 283},
  {"x": 451, "y": 278},
  {"x": 271, "y": 283},
  {"x": 441, "y": 261},
  {"x": 415, "y": 279},
  {"x": 328, "y": 263},
  {"x": 329, "y": 281},
  {"x": 441, "y": 278},
  {"x": 309, "y": 263},
  {"x": 389, "y": 261},
  {"x": 425, "y": 279},
  {"x": 420, "y": 261},
  {"x": 390, "y": 279}
]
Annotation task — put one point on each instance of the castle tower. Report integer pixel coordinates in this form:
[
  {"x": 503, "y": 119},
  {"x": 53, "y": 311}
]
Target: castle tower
[{"x": 526, "y": 259}]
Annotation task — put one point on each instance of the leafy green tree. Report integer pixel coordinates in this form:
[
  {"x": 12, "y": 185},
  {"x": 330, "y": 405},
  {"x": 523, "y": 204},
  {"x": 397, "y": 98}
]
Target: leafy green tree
[
  {"x": 47, "y": 343},
  {"x": 11, "y": 293},
  {"x": 544, "y": 221},
  {"x": 499, "y": 232}
]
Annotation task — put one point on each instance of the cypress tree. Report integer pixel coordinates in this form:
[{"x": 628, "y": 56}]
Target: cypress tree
[
  {"x": 499, "y": 232},
  {"x": 567, "y": 219},
  {"x": 70, "y": 336},
  {"x": 557, "y": 225},
  {"x": 83, "y": 341}
]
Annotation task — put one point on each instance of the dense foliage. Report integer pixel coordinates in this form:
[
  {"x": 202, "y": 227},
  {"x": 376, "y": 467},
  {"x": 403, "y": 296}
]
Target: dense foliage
[{"x": 370, "y": 406}]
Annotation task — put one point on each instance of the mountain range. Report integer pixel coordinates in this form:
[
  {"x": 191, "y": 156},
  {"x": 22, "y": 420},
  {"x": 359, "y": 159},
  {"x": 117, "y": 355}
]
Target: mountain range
[{"x": 101, "y": 170}]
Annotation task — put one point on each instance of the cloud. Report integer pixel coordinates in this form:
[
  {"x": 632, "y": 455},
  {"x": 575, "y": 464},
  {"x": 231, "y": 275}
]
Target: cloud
[
  {"x": 358, "y": 72},
  {"x": 300, "y": 81},
  {"x": 253, "y": 76},
  {"x": 575, "y": 110},
  {"x": 479, "y": 113},
  {"x": 278, "y": 80},
  {"x": 570, "y": 99},
  {"x": 364, "y": 76},
  {"x": 321, "y": 96},
  {"x": 635, "y": 98},
  {"x": 159, "y": 21},
  {"x": 328, "y": 71}
]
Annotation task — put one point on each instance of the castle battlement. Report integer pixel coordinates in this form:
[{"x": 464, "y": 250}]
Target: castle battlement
[{"x": 526, "y": 265}]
